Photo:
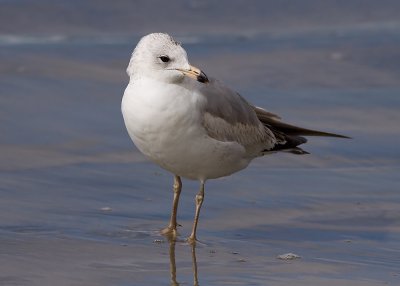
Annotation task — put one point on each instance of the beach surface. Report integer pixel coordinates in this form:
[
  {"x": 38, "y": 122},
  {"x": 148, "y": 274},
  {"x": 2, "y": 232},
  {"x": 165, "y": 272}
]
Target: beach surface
[{"x": 79, "y": 204}]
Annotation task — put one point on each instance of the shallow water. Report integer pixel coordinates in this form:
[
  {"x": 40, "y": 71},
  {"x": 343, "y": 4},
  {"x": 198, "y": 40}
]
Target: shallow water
[{"x": 81, "y": 206}]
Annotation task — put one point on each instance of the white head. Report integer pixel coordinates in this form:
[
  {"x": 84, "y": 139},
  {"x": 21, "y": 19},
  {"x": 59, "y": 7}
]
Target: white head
[{"x": 159, "y": 56}]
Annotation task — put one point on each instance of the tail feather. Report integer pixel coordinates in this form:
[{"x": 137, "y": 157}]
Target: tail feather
[
  {"x": 288, "y": 143},
  {"x": 288, "y": 136},
  {"x": 272, "y": 122}
]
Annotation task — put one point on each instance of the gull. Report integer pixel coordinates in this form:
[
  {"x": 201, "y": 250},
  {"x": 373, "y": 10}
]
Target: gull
[{"x": 194, "y": 126}]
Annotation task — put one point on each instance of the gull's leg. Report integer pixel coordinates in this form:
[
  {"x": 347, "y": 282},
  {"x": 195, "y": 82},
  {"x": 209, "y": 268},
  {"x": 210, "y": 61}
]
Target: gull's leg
[
  {"x": 199, "y": 201},
  {"x": 170, "y": 230}
]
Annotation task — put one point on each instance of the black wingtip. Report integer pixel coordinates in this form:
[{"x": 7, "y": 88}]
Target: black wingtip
[
  {"x": 310, "y": 132},
  {"x": 332, "y": 135},
  {"x": 337, "y": 136},
  {"x": 297, "y": 151}
]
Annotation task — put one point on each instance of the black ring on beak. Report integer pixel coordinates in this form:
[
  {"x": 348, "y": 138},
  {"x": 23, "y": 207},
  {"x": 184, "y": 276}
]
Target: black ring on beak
[{"x": 202, "y": 77}]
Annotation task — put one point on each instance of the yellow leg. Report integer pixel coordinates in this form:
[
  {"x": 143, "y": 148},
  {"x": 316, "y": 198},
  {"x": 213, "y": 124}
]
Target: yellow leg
[
  {"x": 170, "y": 230},
  {"x": 199, "y": 201}
]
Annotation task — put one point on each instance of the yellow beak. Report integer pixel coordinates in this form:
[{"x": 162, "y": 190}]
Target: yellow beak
[{"x": 195, "y": 73}]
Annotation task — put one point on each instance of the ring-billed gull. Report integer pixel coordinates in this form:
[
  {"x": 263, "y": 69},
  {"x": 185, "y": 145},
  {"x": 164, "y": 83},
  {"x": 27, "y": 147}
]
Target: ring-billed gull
[{"x": 194, "y": 126}]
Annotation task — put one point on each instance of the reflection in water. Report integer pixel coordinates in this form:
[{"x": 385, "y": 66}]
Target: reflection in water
[
  {"x": 194, "y": 265},
  {"x": 172, "y": 262}
]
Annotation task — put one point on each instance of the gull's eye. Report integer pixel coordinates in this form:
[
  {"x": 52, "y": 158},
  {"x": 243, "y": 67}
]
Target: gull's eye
[{"x": 164, "y": 59}]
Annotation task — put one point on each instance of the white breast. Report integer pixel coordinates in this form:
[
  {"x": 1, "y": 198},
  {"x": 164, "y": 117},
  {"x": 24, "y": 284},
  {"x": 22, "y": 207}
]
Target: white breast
[{"x": 164, "y": 122}]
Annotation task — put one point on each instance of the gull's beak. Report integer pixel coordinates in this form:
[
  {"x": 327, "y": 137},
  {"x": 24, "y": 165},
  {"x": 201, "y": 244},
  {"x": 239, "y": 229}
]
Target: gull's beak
[{"x": 195, "y": 73}]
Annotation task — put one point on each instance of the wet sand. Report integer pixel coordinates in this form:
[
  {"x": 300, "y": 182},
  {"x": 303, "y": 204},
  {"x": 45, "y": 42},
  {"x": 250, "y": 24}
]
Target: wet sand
[{"x": 79, "y": 205}]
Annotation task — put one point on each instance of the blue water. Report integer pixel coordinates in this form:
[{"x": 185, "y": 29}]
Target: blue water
[{"x": 79, "y": 205}]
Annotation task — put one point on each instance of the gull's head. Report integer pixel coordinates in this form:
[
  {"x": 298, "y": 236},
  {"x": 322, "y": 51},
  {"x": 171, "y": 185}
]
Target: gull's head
[{"x": 159, "y": 56}]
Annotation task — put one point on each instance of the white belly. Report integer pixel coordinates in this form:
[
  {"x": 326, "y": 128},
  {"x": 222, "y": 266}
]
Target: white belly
[{"x": 167, "y": 128}]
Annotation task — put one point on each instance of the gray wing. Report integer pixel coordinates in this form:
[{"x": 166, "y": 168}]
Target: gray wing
[{"x": 229, "y": 117}]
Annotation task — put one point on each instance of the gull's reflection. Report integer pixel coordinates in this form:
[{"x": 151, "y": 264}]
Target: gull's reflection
[
  {"x": 172, "y": 263},
  {"x": 194, "y": 265}
]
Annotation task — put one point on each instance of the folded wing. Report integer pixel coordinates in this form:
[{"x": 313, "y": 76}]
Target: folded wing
[{"x": 229, "y": 117}]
